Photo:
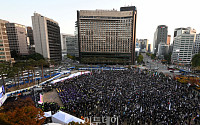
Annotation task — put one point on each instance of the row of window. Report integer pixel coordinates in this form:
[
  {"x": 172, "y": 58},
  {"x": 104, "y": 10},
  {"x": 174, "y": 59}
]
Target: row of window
[{"x": 2, "y": 53}]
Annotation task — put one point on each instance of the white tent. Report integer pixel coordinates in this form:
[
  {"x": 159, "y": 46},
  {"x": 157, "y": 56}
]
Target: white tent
[
  {"x": 47, "y": 114},
  {"x": 70, "y": 76},
  {"x": 53, "y": 124},
  {"x": 64, "y": 118}
]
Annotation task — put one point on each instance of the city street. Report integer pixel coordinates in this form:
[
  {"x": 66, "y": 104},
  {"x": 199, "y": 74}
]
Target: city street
[{"x": 157, "y": 65}]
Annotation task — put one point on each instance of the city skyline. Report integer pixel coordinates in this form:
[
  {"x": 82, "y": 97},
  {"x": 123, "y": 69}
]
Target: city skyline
[{"x": 174, "y": 14}]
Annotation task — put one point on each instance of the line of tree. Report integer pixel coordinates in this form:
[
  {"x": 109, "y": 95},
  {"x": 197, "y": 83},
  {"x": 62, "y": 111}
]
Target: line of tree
[
  {"x": 153, "y": 56},
  {"x": 16, "y": 70},
  {"x": 34, "y": 56},
  {"x": 139, "y": 59}
]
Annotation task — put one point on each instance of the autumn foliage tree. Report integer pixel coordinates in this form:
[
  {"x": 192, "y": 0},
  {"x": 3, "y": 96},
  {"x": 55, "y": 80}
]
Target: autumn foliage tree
[
  {"x": 19, "y": 103},
  {"x": 21, "y": 112}
]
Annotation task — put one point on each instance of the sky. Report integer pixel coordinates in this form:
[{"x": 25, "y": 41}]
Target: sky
[{"x": 150, "y": 13}]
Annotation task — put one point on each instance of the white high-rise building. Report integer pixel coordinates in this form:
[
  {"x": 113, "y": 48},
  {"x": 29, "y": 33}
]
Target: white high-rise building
[
  {"x": 183, "y": 43},
  {"x": 47, "y": 37}
]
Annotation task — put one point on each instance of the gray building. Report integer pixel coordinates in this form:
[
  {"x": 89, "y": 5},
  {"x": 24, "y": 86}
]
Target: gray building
[
  {"x": 107, "y": 36},
  {"x": 17, "y": 38},
  {"x": 143, "y": 45},
  {"x": 72, "y": 45},
  {"x": 47, "y": 37},
  {"x": 163, "y": 50},
  {"x": 160, "y": 35}
]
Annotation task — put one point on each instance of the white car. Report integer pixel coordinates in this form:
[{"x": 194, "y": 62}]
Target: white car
[{"x": 156, "y": 68}]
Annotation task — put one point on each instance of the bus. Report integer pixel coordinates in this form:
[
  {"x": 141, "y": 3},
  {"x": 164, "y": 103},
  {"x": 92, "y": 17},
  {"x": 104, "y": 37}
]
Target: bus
[
  {"x": 170, "y": 68},
  {"x": 183, "y": 72}
]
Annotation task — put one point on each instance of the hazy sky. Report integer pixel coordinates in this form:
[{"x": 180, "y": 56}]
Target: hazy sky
[{"x": 151, "y": 13}]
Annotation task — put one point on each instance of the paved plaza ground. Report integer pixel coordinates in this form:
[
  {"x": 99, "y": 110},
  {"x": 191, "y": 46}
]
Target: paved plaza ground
[{"x": 52, "y": 97}]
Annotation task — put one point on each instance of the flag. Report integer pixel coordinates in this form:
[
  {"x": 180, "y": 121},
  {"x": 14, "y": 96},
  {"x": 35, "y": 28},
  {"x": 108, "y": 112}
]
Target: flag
[
  {"x": 194, "y": 118},
  {"x": 169, "y": 106}
]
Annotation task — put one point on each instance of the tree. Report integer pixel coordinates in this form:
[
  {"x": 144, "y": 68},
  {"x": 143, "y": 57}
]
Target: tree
[
  {"x": 140, "y": 59},
  {"x": 42, "y": 62},
  {"x": 71, "y": 57},
  {"x": 153, "y": 56},
  {"x": 29, "y": 68},
  {"x": 13, "y": 70},
  {"x": 32, "y": 63},
  {"x": 18, "y": 70},
  {"x": 21, "y": 65},
  {"x": 196, "y": 60},
  {"x": 21, "y": 112},
  {"x": 35, "y": 56},
  {"x": 4, "y": 68},
  {"x": 52, "y": 62},
  {"x": 17, "y": 103},
  {"x": 168, "y": 58},
  {"x": 15, "y": 55}
]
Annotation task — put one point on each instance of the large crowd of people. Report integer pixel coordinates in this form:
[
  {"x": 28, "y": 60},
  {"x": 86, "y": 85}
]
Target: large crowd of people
[{"x": 133, "y": 96}]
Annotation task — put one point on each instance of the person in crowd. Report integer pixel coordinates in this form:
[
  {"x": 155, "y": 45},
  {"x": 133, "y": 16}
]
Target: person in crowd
[{"x": 133, "y": 96}]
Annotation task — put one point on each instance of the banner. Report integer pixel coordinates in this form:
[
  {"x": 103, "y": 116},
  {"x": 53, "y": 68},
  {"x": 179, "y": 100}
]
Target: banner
[
  {"x": 41, "y": 99},
  {"x": 2, "y": 91}
]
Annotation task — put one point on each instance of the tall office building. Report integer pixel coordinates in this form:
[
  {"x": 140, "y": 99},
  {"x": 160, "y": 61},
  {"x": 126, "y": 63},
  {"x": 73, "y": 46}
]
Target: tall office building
[
  {"x": 183, "y": 43},
  {"x": 17, "y": 38},
  {"x": 163, "y": 50},
  {"x": 47, "y": 37},
  {"x": 107, "y": 36},
  {"x": 168, "y": 39},
  {"x": 196, "y": 49},
  {"x": 143, "y": 45},
  {"x": 160, "y": 35},
  {"x": 30, "y": 35},
  {"x": 30, "y": 40},
  {"x": 72, "y": 45},
  {"x": 149, "y": 48},
  {"x": 4, "y": 44}
]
